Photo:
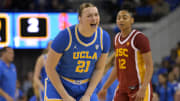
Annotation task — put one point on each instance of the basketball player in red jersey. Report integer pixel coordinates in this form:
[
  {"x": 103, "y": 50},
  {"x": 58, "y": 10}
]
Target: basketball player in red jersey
[{"x": 134, "y": 66}]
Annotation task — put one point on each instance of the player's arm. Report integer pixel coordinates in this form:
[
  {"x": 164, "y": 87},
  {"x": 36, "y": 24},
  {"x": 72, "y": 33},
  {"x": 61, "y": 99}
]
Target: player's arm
[
  {"x": 142, "y": 43},
  {"x": 52, "y": 61},
  {"x": 38, "y": 66},
  {"x": 108, "y": 83},
  {"x": 147, "y": 57},
  {"x": 5, "y": 95},
  {"x": 55, "y": 53},
  {"x": 97, "y": 74},
  {"x": 112, "y": 78}
]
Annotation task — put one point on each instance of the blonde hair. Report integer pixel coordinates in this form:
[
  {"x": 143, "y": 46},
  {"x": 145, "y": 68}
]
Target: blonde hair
[{"x": 83, "y": 6}]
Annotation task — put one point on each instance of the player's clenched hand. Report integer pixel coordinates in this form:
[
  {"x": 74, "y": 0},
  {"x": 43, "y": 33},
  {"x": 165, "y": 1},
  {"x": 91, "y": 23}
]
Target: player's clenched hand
[
  {"x": 69, "y": 98},
  {"x": 85, "y": 98},
  {"x": 102, "y": 94},
  {"x": 140, "y": 94}
]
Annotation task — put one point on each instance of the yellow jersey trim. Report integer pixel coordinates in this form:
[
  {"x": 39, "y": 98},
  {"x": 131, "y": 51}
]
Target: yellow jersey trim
[
  {"x": 85, "y": 44},
  {"x": 46, "y": 98},
  {"x": 70, "y": 39},
  {"x": 78, "y": 82},
  {"x": 101, "y": 39}
]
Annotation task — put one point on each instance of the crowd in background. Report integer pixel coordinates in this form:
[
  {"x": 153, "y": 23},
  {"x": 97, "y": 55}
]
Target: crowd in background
[
  {"x": 144, "y": 10},
  {"x": 166, "y": 78}
]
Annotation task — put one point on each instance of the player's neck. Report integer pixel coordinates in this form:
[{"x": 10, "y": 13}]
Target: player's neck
[
  {"x": 84, "y": 31},
  {"x": 126, "y": 32}
]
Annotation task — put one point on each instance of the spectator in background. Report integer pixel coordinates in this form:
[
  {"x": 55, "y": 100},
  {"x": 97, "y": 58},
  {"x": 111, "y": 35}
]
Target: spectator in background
[
  {"x": 165, "y": 68},
  {"x": 19, "y": 95},
  {"x": 173, "y": 4},
  {"x": 160, "y": 8},
  {"x": 172, "y": 80},
  {"x": 172, "y": 57},
  {"x": 165, "y": 89},
  {"x": 176, "y": 72},
  {"x": 27, "y": 84},
  {"x": 8, "y": 75}
]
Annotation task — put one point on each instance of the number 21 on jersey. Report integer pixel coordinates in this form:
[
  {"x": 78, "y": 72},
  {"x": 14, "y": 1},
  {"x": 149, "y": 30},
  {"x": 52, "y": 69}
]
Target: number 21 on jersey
[{"x": 83, "y": 66}]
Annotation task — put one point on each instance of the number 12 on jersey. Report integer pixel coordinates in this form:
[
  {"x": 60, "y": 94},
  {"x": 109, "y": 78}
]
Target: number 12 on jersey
[{"x": 122, "y": 63}]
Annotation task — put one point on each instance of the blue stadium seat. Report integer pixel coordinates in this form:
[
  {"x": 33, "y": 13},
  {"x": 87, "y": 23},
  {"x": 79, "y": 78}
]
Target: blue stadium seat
[{"x": 144, "y": 11}]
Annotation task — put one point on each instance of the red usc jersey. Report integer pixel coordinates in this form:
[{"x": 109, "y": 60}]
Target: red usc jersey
[{"x": 129, "y": 61}]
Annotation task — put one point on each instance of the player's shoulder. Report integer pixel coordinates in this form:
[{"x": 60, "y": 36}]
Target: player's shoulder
[
  {"x": 138, "y": 34},
  {"x": 103, "y": 30},
  {"x": 68, "y": 30},
  {"x": 65, "y": 32},
  {"x": 72, "y": 27},
  {"x": 13, "y": 66}
]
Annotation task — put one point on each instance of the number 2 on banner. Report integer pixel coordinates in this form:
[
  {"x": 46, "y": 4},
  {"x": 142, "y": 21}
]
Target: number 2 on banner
[
  {"x": 83, "y": 66},
  {"x": 33, "y": 25}
]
